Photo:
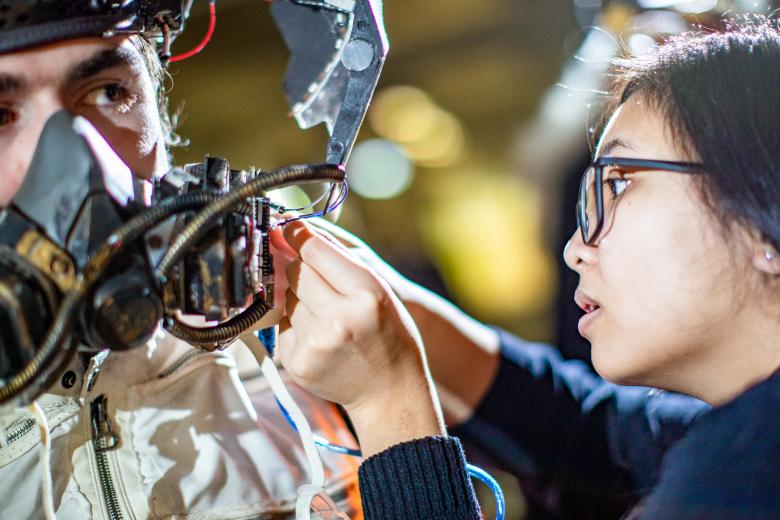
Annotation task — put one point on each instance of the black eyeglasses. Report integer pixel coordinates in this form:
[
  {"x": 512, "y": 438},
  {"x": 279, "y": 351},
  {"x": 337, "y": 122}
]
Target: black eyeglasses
[{"x": 591, "y": 204}]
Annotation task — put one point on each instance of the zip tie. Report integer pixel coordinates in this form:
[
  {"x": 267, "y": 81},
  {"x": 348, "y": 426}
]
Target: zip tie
[{"x": 45, "y": 459}]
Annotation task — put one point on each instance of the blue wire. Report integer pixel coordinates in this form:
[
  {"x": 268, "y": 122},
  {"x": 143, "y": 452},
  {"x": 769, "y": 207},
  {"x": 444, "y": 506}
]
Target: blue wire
[
  {"x": 342, "y": 197},
  {"x": 268, "y": 339},
  {"x": 482, "y": 475}
]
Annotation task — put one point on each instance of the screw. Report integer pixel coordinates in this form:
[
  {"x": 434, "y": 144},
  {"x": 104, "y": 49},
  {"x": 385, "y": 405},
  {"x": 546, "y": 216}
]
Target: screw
[
  {"x": 69, "y": 379},
  {"x": 58, "y": 265}
]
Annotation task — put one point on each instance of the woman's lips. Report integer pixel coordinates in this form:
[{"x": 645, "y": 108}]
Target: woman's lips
[
  {"x": 587, "y": 319},
  {"x": 587, "y": 304}
]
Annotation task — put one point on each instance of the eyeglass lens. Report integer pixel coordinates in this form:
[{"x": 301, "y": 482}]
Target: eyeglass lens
[{"x": 587, "y": 206}]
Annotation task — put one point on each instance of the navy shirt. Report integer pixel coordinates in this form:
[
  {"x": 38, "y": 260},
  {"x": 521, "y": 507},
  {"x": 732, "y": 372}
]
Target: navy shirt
[{"x": 545, "y": 415}]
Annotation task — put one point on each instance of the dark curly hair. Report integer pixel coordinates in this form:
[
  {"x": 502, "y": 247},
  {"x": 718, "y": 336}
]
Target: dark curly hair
[{"x": 168, "y": 121}]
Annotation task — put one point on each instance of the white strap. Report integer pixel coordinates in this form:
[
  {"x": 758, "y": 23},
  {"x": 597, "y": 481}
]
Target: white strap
[
  {"x": 43, "y": 425},
  {"x": 324, "y": 505}
]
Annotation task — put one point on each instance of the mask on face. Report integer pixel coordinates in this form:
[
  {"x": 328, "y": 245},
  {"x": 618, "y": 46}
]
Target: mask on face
[{"x": 92, "y": 258}]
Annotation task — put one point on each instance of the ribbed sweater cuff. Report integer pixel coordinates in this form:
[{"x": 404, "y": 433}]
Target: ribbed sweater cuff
[{"x": 419, "y": 479}]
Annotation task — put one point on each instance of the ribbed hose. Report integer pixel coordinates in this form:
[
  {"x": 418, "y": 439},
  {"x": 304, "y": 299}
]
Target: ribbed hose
[
  {"x": 211, "y": 338},
  {"x": 50, "y": 357},
  {"x": 275, "y": 179}
]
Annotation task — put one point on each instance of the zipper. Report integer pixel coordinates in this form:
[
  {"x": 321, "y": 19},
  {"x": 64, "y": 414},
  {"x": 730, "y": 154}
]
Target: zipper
[
  {"x": 104, "y": 440},
  {"x": 183, "y": 360},
  {"x": 22, "y": 427},
  {"x": 21, "y": 431}
]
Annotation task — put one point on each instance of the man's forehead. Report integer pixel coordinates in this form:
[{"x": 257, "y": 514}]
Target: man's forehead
[{"x": 71, "y": 60}]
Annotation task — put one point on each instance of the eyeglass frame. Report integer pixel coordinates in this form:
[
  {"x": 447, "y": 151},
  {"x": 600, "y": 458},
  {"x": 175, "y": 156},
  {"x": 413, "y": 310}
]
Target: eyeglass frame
[{"x": 598, "y": 166}]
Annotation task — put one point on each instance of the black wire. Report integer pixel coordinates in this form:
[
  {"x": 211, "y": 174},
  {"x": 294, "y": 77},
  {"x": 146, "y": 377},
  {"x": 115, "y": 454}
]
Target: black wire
[
  {"x": 279, "y": 178},
  {"x": 52, "y": 357},
  {"x": 212, "y": 338}
]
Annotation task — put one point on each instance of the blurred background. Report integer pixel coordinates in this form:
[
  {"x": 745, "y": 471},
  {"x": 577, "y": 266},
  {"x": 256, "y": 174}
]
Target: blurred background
[{"x": 465, "y": 172}]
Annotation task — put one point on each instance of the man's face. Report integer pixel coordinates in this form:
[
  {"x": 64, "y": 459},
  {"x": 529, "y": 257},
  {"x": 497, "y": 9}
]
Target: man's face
[{"x": 104, "y": 80}]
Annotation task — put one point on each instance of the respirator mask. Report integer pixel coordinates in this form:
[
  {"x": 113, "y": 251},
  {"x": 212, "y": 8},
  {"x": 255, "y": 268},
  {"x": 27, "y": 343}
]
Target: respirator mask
[{"x": 92, "y": 258}]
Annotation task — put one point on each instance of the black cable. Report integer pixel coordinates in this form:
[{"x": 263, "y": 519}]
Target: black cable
[
  {"x": 213, "y": 337},
  {"x": 275, "y": 179},
  {"x": 51, "y": 357}
]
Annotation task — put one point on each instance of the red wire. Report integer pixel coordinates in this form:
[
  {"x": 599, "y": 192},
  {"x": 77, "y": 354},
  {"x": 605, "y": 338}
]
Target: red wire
[{"x": 206, "y": 38}]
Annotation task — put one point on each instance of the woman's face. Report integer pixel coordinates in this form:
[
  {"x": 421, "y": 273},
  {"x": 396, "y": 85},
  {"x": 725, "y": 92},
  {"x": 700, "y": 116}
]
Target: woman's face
[{"x": 665, "y": 283}]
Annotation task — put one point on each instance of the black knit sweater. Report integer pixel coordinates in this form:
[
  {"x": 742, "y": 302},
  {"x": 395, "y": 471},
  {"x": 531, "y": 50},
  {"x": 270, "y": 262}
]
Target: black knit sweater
[
  {"x": 548, "y": 416},
  {"x": 420, "y": 479}
]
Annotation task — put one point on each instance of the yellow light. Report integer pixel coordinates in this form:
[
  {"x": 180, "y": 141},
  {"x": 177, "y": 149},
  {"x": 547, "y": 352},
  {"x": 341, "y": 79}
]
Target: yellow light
[
  {"x": 442, "y": 143},
  {"x": 485, "y": 231},
  {"x": 391, "y": 106},
  {"x": 290, "y": 197},
  {"x": 430, "y": 135}
]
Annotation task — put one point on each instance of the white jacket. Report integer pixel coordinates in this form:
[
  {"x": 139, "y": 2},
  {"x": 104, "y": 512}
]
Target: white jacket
[{"x": 190, "y": 440}]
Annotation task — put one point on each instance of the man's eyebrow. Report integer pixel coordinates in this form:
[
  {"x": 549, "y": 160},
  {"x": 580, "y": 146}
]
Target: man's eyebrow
[
  {"x": 609, "y": 146},
  {"x": 10, "y": 83},
  {"x": 119, "y": 57}
]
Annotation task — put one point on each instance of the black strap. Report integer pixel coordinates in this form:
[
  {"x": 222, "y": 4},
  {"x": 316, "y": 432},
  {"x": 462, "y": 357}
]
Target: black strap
[{"x": 25, "y": 37}]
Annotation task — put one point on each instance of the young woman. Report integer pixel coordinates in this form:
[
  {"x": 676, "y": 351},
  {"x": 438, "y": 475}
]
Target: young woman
[{"x": 677, "y": 252}]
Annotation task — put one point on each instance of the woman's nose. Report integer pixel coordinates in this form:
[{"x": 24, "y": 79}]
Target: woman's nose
[{"x": 577, "y": 255}]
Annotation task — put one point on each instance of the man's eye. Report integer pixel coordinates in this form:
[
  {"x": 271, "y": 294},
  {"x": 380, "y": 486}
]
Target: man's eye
[
  {"x": 7, "y": 116},
  {"x": 617, "y": 185},
  {"x": 105, "y": 95}
]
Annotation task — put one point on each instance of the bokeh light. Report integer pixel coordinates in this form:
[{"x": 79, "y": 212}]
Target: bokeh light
[
  {"x": 485, "y": 227},
  {"x": 430, "y": 135},
  {"x": 685, "y": 6},
  {"x": 696, "y": 6},
  {"x": 379, "y": 169},
  {"x": 640, "y": 43}
]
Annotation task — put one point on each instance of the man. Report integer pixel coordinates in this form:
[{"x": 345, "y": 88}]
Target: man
[{"x": 164, "y": 430}]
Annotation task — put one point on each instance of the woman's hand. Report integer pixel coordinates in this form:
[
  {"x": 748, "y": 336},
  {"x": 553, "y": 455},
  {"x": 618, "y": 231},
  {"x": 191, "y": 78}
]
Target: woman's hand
[{"x": 348, "y": 339}]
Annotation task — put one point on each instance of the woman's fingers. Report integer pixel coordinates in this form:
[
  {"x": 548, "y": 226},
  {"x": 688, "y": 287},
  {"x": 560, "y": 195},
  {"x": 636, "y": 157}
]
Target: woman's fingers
[
  {"x": 310, "y": 287},
  {"x": 334, "y": 264},
  {"x": 280, "y": 245},
  {"x": 303, "y": 321},
  {"x": 286, "y": 333}
]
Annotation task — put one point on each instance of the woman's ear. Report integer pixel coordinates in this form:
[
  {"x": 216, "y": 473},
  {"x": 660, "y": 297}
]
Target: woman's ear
[
  {"x": 766, "y": 258},
  {"x": 763, "y": 255}
]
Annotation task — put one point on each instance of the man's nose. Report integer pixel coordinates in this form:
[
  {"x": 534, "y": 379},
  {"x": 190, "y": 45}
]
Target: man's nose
[
  {"x": 48, "y": 104},
  {"x": 577, "y": 255}
]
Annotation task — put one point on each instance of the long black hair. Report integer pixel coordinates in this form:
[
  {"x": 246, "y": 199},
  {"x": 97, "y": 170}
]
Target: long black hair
[{"x": 720, "y": 94}]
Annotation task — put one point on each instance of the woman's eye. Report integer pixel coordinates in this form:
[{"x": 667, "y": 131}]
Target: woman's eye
[
  {"x": 105, "y": 95},
  {"x": 617, "y": 185}
]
